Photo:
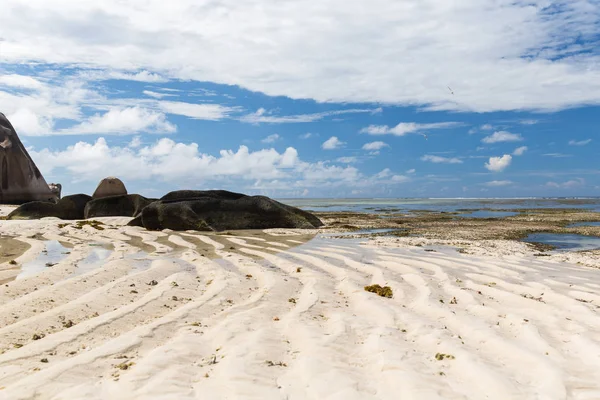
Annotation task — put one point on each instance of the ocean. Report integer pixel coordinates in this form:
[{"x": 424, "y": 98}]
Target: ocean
[{"x": 407, "y": 205}]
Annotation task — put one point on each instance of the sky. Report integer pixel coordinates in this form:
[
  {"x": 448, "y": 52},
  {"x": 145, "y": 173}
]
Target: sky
[{"x": 304, "y": 98}]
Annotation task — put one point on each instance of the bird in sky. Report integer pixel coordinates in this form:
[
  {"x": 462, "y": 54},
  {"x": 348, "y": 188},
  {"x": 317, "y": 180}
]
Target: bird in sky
[{"x": 451, "y": 91}]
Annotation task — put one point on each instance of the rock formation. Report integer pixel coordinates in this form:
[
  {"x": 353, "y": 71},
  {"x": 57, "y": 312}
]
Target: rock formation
[
  {"x": 128, "y": 205},
  {"x": 69, "y": 207},
  {"x": 110, "y": 186},
  {"x": 20, "y": 179},
  {"x": 56, "y": 188},
  {"x": 221, "y": 210}
]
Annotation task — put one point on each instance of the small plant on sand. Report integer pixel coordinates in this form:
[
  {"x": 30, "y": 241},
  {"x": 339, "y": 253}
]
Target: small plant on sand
[
  {"x": 275, "y": 364},
  {"x": 125, "y": 365},
  {"x": 442, "y": 356},
  {"x": 299, "y": 269},
  {"x": 44, "y": 360},
  {"x": 92, "y": 222},
  {"x": 12, "y": 262},
  {"x": 68, "y": 324},
  {"x": 384, "y": 291},
  {"x": 292, "y": 300}
]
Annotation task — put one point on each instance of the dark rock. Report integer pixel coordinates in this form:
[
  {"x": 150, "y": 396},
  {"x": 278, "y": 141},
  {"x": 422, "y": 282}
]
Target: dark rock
[
  {"x": 20, "y": 179},
  {"x": 69, "y": 207},
  {"x": 128, "y": 205},
  {"x": 180, "y": 195},
  {"x": 206, "y": 211}
]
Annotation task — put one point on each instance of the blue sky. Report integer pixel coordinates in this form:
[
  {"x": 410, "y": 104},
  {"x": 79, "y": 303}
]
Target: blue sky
[{"x": 305, "y": 99}]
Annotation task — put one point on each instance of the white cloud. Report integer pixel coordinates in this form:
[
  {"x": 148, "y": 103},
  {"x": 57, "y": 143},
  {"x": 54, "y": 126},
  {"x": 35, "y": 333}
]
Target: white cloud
[
  {"x": 123, "y": 121},
  {"x": 29, "y": 123},
  {"x": 441, "y": 160},
  {"x": 210, "y": 112},
  {"x": 498, "y": 183},
  {"x": 411, "y": 171},
  {"x": 135, "y": 142},
  {"x": 557, "y": 155},
  {"x": 332, "y": 143},
  {"x": 157, "y": 95},
  {"x": 141, "y": 76},
  {"x": 529, "y": 121},
  {"x": 347, "y": 160},
  {"x": 374, "y": 146},
  {"x": 519, "y": 151},
  {"x": 571, "y": 184},
  {"x": 486, "y": 127},
  {"x": 502, "y": 136},
  {"x": 499, "y": 164},
  {"x": 400, "y": 178},
  {"x": 20, "y": 81},
  {"x": 522, "y": 55},
  {"x": 306, "y": 136},
  {"x": 405, "y": 128},
  {"x": 264, "y": 116},
  {"x": 580, "y": 143},
  {"x": 271, "y": 138}
]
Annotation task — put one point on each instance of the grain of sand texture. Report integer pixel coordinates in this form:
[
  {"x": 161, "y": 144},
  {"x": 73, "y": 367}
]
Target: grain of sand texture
[{"x": 122, "y": 313}]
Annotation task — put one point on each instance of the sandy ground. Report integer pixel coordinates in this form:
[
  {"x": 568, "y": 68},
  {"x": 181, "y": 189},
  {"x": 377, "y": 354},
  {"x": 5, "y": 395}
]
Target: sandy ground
[{"x": 122, "y": 313}]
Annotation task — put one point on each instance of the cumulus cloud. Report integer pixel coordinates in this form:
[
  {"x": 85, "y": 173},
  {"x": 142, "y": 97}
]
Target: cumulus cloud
[
  {"x": 123, "y": 121},
  {"x": 502, "y": 136},
  {"x": 519, "y": 151},
  {"x": 135, "y": 142},
  {"x": 404, "y": 128},
  {"x": 332, "y": 143},
  {"x": 411, "y": 171},
  {"x": 271, "y": 138},
  {"x": 441, "y": 160},
  {"x": 580, "y": 142},
  {"x": 374, "y": 146},
  {"x": 20, "y": 81},
  {"x": 498, "y": 183},
  {"x": 166, "y": 160},
  {"x": 499, "y": 164},
  {"x": 307, "y": 135},
  {"x": 486, "y": 127}
]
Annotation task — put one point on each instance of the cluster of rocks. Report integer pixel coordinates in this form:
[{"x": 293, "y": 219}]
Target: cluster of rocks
[{"x": 201, "y": 210}]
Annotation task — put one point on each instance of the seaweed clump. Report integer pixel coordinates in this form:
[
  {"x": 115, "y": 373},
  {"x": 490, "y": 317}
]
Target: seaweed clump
[{"x": 384, "y": 291}]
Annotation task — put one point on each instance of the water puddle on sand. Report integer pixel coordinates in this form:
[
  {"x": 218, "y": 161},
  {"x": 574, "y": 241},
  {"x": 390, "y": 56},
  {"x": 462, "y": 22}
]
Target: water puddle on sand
[
  {"x": 565, "y": 241},
  {"x": 95, "y": 259},
  {"x": 363, "y": 232},
  {"x": 52, "y": 254},
  {"x": 581, "y": 224}
]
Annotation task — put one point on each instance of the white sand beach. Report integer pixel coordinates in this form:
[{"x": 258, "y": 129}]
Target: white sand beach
[{"x": 122, "y": 313}]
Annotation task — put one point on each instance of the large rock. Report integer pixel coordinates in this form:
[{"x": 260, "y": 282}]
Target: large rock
[
  {"x": 20, "y": 179},
  {"x": 110, "y": 186},
  {"x": 129, "y": 205},
  {"x": 180, "y": 195},
  {"x": 221, "y": 210},
  {"x": 69, "y": 207}
]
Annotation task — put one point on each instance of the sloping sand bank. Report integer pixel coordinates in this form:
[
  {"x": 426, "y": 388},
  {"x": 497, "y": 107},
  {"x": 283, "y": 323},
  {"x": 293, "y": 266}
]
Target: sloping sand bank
[{"x": 264, "y": 316}]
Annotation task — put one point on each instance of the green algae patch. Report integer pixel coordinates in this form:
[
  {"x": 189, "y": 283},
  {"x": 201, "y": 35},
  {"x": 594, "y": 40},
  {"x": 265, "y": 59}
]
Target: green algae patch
[{"x": 384, "y": 291}]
